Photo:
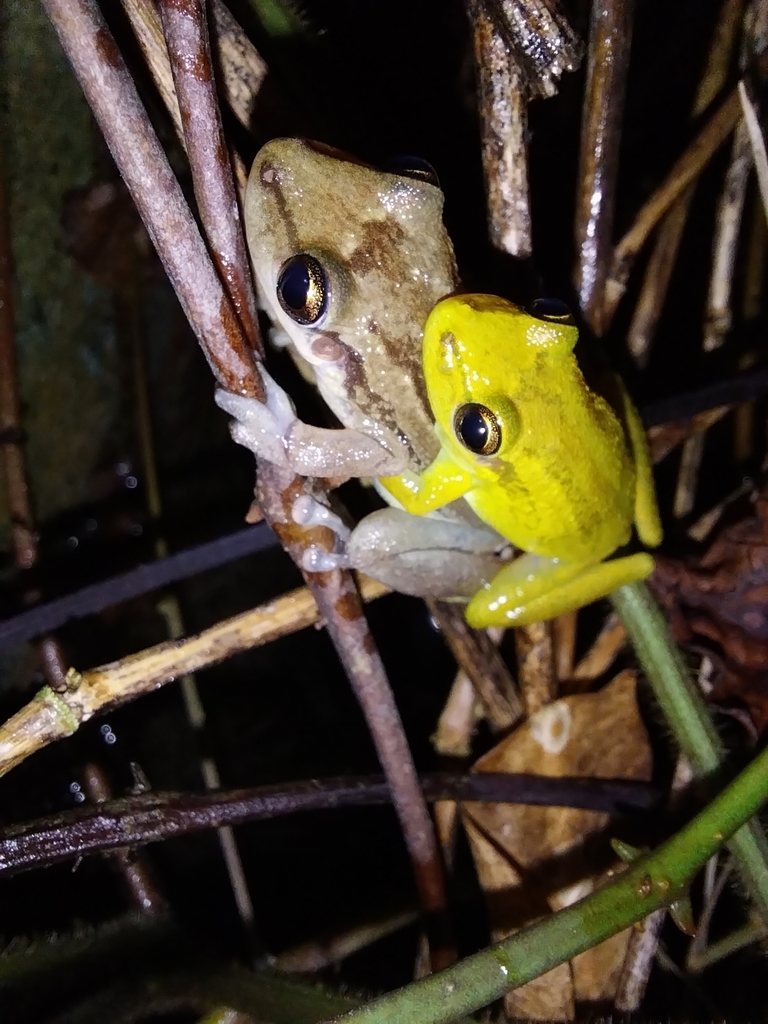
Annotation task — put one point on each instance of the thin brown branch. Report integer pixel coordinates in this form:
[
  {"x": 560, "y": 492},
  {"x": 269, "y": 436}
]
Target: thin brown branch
[
  {"x": 638, "y": 962},
  {"x": 536, "y": 665},
  {"x": 565, "y": 631},
  {"x": 145, "y": 895},
  {"x": 757, "y": 141},
  {"x": 730, "y": 208},
  {"x": 151, "y": 817},
  {"x": 686, "y": 169},
  {"x": 186, "y": 33},
  {"x": 477, "y": 655},
  {"x": 243, "y": 72},
  {"x": 335, "y": 592},
  {"x": 503, "y": 124},
  {"x": 148, "y": 29},
  {"x": 521, "y": 49},
  {"x": 460, "y": 714},
  {"x": 540, "y": 38},
  {"x": 663, "y": 439},
  {"x": 664, "y": 255},
  {"x": 609, "y": 42},
  {"x": 112, "y": 96},
  {"x": 49, "y": 717},
  {"x": 688, "y": 475},
  {"x": 602, "y": 654}
]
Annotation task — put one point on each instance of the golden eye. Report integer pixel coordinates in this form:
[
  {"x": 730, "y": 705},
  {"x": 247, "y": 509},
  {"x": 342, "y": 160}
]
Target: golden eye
[
  {"x": 552, "y": 310},
  {"x": 478, "y": 429},
  {"x": 302, "y": 288}
]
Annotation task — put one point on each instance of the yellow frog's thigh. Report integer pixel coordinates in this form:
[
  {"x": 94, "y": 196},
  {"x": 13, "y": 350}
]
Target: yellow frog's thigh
[
  {"x": 532, "y": 588},
  {"x": 647, "y": 520}
]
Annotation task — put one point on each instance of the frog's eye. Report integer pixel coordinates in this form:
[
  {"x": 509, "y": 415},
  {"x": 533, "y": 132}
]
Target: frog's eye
[
  {"x": 553, "y": 310},
  {"x": 413, "y": 167},
  {"x": 478, "y": 429},
  {"x": 302, "y": 288}
]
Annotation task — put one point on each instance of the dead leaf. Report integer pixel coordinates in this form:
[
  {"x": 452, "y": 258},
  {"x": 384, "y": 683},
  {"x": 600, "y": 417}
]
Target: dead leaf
[
  {"x": 720, "y": 602},
  {"x": 532, "y": 860}
]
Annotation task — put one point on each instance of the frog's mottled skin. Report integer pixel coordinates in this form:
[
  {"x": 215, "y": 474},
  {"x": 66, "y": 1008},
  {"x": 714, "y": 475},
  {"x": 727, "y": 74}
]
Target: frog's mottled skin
[
  {"x": 571, "y": 473},
  {"x": 388, "y": 259},
  {"x": 381, "y": 239}
]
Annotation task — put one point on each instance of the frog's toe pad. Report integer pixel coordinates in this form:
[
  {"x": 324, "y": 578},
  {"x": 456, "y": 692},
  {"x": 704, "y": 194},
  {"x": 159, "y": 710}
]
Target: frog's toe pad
[
  {"x": 316, "y": 559},
  {"x": 260, "y": 427},
  {"x": 308, "y": 511}
]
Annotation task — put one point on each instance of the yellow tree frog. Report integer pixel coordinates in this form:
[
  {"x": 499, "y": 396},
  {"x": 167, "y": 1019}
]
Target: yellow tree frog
[
  {"x": 555, "y": 467},
  {"x": 349, "y": 260}
]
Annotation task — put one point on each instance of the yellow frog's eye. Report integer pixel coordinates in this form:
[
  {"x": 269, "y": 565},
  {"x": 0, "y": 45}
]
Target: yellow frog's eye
[
  {"x": 478, "y": 429},
  {"x": 302, "y": 288},
  {"x": 413, "y": 167},
  {"x": 552, "y": 310}
]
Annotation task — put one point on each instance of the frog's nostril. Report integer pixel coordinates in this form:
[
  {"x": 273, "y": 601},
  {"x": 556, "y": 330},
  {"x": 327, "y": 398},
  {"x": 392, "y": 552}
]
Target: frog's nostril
[{"x": 302, "y": 288}]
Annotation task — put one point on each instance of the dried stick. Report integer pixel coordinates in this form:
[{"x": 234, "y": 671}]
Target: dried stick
[
  {"x": 639, "y": 959},
  {"x": 717, "y": 321},
  {"x": 757, "y": 141},
  {"x": 521, "y": 49},
  {"x": 565, "y": 631},
  {"x": 540, "y": 37},
  {"x": 187, "y": 36},
  {"x": 664, "y": 254},
  {"x": 145, "y": 895},
  {"x": 685, "y": 170},
  {"x": 602, "y": 654},
  {"x": 136, "y": 151},
  {"x": 663, "y": 439},
  {"x": 688, "y": 475},
  {"x": 503, "y": 126},
  {"x": 184, "y": 21},
  {"x": 536, "y": 665},
  {"x": 148, "y": 29},
  {"x": 112, "y": 96},
  {"x": 49, "y": 717},
  {"x": 150, "y": 817},
  {"x": 610, "y": 34},
  {"x": 477, "y": 655}
]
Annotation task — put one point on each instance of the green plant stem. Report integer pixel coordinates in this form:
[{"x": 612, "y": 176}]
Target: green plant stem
[
  {"x": 648, "y": 885},
  {"x": 686, "y": 712}
]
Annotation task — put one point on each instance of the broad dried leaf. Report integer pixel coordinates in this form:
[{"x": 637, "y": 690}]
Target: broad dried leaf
[
  {"x": 720, "y": 602},
  {"x": 531, "y": 860}
]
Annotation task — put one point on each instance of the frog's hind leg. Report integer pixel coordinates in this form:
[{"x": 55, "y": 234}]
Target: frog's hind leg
[
  {"x": 647, "y": 519},
  {"x": 427, "y": 556},
  {"x": 533, "y": 588}
]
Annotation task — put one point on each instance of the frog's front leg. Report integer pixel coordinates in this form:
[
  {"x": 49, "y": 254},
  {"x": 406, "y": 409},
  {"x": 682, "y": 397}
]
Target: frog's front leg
[
  {"x": 272, "y": 431},
  {"x": 534, "y": 588},
  {"x": 427, "y": 556}
]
